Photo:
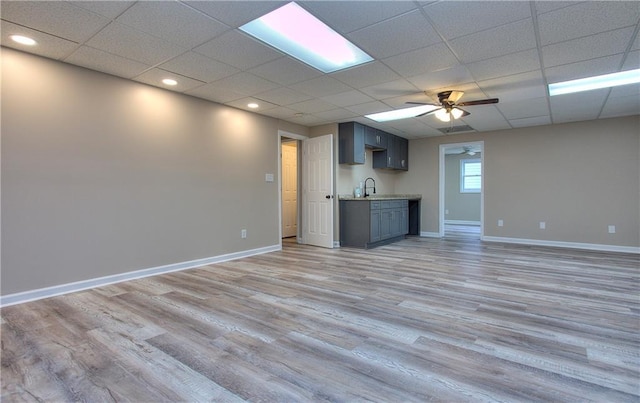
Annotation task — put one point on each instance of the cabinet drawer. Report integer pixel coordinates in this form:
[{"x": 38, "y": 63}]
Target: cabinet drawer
[
  {"x": 375, "y": 205},
  {"x": 394, "y": 204}
]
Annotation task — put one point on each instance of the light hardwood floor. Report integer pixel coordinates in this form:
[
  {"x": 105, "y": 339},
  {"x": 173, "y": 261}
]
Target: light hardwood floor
[{"x": 423, "y": 319}]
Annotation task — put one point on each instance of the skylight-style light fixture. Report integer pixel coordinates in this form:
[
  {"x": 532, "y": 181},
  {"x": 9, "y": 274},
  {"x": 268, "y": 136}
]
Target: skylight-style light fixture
[
  {"x": 296, "y": 32},
  {"x": 596, "y": 82},
  {"x": 402, "y": 113}
]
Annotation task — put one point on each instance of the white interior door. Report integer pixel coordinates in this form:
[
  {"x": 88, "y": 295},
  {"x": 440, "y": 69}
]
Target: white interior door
[
  {"x": 317, "y": 185},
  {"x": 289, "y": 189}
]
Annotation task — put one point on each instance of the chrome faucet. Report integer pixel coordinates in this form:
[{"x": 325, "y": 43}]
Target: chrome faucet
[{"x": 365, "y": 187}]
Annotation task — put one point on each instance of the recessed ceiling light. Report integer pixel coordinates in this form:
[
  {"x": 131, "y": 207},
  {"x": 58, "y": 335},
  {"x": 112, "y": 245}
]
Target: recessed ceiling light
[
  {"x": 296, "y": 32},
  {"x": 596, "y": 82},
  {"x": 253, "y": 105},
  {"x": 402, "y": 113},
  {"x": 23, "y": 40},
  {"x": 170, "y": 81}
]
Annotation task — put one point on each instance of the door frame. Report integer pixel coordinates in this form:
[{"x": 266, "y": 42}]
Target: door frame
[
  {"x": 441, "y": 184},
  {"x": 298, "y": 137}
]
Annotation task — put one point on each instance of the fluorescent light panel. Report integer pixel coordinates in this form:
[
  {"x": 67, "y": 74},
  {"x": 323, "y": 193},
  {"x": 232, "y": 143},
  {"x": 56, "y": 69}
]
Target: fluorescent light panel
[
  {"x": 596, "y": 82},
  {"x": 299, "y": 34},
  {"x": 401, "y": 113}
]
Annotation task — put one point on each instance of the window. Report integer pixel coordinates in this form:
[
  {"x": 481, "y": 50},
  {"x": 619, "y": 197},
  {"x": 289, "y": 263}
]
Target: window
[{"x": 470, "y": 176}]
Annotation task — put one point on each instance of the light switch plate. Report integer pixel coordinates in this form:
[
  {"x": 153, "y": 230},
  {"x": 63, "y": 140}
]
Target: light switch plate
[{"x": 268, "y": 177}]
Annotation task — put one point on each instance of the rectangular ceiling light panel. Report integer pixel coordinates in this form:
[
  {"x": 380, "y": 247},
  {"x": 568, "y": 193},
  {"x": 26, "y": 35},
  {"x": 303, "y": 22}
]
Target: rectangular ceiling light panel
[
  {"x": 402, "y": 113},
  {"x": 596, "y": 82},
  {"x": 299, "y": 34}
]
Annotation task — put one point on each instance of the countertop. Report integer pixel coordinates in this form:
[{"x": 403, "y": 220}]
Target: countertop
[{"x": 381, "y": 197}]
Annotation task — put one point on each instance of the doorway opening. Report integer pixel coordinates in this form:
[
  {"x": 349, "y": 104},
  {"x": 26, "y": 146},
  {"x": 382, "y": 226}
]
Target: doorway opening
[
  {"x": 461, "y": 190},
  {"x": 289, "y": 188}
]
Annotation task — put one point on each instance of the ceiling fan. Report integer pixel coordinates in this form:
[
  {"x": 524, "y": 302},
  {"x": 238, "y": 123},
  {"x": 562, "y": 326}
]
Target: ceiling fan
[
  {"x": 468, "y": 151},
  {"x": 449, "y": 109}
]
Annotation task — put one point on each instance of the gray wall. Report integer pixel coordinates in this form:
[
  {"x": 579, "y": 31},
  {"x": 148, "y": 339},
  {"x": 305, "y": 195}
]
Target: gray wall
[
  {"x": 577, "y": 177},
  {"x": 461, "y": 206},
  {"x": 103, "y": 176}
]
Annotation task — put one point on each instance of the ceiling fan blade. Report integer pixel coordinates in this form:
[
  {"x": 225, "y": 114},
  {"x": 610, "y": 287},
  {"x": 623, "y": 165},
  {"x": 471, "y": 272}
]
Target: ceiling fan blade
[
  {"x": 420, "y": 103},
  {"x": 479, "y": 102},
  {"x": 428, "y": 113},
  {"x": 455, "y": 96}
]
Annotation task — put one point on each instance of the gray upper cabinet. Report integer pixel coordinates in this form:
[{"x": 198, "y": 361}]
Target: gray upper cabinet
[
  {"x": 389, "y": 151},
  {"x": 351, "y": 143}
]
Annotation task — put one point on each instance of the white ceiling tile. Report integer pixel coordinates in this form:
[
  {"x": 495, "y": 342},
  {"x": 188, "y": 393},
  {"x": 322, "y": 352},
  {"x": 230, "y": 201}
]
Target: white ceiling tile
[
  {"x": 505, "y": 39},
  {"x": 48, "y": 45},
  {"x": 585, "y": 19},
  {"x": 59, "y": 18},
  {"x": 455, "y": 19},
  {"x": 513, "y": 63},
  {"x": 578, "y": 106},
  {"x": 516, "y": 87},
  {"x": 199, "y": 67},
  {"x": 485, "y": 117},
  {"x": 414, "y": 128},
  {"x": 532, "y": 121},
  {"x": 127, "y": 42},
  {"x": 636, "y": 42},
  {"x": 320, "y": 86},
  {"x": 588, "y": 68},
  {"x": 591, "y": 47},
  {"x": 235, "y": 13},
  {"x": 243, "y": 103},
  {"x": 336, "y": 115},
  {"x": 283, "y": 96},
  {"x": 622, "y": 106},
  {"x": 369, "y": 107},
  {"x": 526, "y": 108},
  {"x": 155, "y": 76},
  {"x": 546, "y": 6},
  {"x": 348, "y": 98},
  {"x": 398, "y": 35},
  {"x": 282, "y": 112},
  {"x": 629, "y": 90},
  {"x": 96, "y": 59},
  {"x": 349, "y": 16},
  {"x": 173, "y": 22},
  {"x": 442, "y": 78},
  {"x": 312, "y": 106},
  {"x": 238, "y": 50},
  {"x": 632, "y": 61},
  {"x": 109, "y": 9},
  {"x": 424, "y": 60},
  {"x": 246, "y": 83},
  {"x": 285, "y": 71},
  {"x": 392, "y": 89},
  {"x": 215, "y": 93},
  {"x": 366, "y": 75}
]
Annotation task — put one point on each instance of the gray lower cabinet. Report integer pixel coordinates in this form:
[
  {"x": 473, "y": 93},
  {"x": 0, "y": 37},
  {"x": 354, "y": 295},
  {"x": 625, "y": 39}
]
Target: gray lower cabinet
[{"x": 365, "y": 224}]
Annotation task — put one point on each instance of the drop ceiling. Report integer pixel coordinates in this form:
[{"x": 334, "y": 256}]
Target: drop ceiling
[{"x": 505, "y": 49}]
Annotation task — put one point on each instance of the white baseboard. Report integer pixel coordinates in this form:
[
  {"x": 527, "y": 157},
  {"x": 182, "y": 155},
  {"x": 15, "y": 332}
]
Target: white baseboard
[
  {"x": 562, "y": 244},
  {"x": 430, "y": 234},
  {"x": 336, "y": 244},
  {"x": 462, "y": 222},
  {"x": 26, "y": 296}
]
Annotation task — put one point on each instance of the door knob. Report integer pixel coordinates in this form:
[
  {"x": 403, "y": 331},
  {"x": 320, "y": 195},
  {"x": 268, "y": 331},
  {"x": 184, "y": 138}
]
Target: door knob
[{"x": 328, "y": 197}]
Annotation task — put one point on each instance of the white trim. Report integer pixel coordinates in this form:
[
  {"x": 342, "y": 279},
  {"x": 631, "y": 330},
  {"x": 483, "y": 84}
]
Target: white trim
[
  {"x": 462, "y": 222},
  {"x": 336, "y": 244},
  {"x": 430, "y": 234},
  {"x": 298, "y": 138},
  {"x": 562, "y": 244},
  {"x": 26, "y": 296}
]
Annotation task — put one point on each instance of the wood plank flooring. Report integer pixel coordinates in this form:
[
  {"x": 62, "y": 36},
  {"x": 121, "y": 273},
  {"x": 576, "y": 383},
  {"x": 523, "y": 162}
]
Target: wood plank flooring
[{"x": 451, "y": 319}]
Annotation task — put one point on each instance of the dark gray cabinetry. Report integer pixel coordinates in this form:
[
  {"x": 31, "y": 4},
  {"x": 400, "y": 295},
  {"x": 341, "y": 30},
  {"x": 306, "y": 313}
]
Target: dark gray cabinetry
[
  {"x": 351, "y": 143},
  {"x": 365, "y": 224},
  {"x": 374, "y": 138},
  {"x": 396, "y": 156}
]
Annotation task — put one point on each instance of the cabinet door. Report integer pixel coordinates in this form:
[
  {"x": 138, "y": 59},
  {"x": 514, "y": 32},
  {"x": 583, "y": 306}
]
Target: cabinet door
[
  {"x": 386, "y": 217},
  {"x": 374, "y": 226},
  {"x": 401, "y": 150},
  {"x": 386, "y": 159},
  {"x": 396, "y": 222},
  {"x": 351, "y": 143},
  {"x": 374, "y": 138}
]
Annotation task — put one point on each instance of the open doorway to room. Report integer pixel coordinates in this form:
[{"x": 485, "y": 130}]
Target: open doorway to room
[
  {"x": 289, "y": 188},
  {"x": 461, "y": 190}
]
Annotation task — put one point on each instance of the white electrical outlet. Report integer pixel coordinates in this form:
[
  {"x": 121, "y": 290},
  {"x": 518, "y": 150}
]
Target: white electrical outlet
[
  {"x": 612, "y": 229},
  {"x": 543, "y": 225},
  {"x": 500, "y": 223},
  {"x": 243, "y": 233}
]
